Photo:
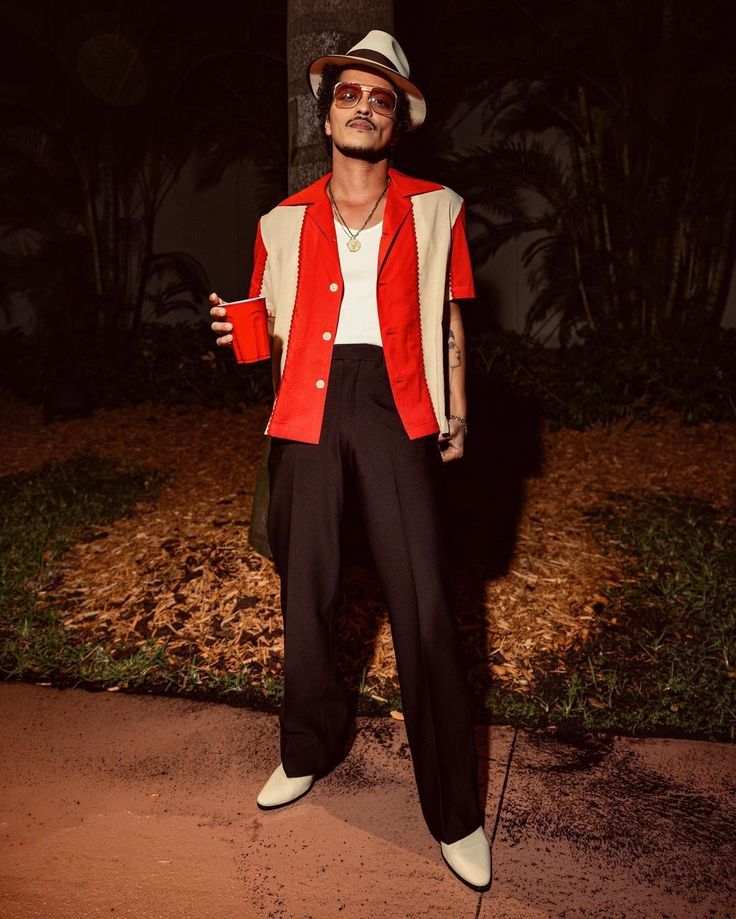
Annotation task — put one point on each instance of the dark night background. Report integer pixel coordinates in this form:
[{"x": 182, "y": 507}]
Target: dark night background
[{"x": 593, "y": 143}]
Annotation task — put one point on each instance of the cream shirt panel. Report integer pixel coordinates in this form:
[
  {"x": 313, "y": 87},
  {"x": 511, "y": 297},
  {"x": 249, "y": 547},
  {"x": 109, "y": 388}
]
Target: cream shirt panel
[
  {"x": 281, "y": 229},
  {"x": 434, "y": 214}
]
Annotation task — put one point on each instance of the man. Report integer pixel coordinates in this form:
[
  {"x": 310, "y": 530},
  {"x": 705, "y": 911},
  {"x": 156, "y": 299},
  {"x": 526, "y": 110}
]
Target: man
[{"x": 360, "y": 271}]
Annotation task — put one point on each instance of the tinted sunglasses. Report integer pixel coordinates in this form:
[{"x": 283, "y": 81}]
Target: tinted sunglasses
[{"x": 382, "y": 101}]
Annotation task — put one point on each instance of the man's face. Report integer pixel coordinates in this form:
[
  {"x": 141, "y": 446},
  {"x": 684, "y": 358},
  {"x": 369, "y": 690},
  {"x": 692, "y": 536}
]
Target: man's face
[{"x": 360, "y": 131}]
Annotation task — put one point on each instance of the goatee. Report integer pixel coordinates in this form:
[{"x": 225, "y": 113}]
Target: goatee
[{"x": 360, "y": 153}]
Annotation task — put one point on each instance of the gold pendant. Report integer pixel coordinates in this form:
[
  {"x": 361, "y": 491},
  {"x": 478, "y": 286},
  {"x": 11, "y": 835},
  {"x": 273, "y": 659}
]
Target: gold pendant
[{"x": 353, "y": 244}]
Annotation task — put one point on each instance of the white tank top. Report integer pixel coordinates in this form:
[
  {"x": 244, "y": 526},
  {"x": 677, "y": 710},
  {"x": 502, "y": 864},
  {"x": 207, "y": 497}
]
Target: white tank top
[{"x": 358, "y": 320}]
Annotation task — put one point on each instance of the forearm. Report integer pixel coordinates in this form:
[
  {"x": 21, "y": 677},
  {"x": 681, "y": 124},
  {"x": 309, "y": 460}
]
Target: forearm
[{"x": 456, "y": 362}]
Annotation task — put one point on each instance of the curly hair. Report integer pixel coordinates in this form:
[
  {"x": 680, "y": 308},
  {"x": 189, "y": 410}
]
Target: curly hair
[{"x": 331, "y": 76}]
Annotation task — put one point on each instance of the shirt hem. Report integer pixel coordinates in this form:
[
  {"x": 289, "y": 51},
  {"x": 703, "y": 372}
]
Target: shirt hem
[
  {"x": 290, "y": 434},
  {"x": 422, "y": 430}
]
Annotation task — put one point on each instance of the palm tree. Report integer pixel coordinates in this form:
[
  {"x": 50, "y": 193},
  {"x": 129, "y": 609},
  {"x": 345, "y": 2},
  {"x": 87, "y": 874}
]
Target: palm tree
[
  {"x": 610, "y": 138},
  {"x": 95, "y": 135}
]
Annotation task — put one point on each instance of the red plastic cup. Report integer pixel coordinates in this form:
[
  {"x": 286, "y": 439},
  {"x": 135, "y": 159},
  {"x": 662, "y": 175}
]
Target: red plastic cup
[{"x": 250, "y": 329}]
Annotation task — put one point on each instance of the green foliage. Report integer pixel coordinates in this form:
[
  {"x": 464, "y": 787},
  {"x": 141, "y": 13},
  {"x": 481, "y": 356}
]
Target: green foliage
[
  {"x": 128, "y": 103},
  {"x": 169, "y": 363},
  {"x": 599, "y": 379},
  {"x": 617, "y": 176},
  {"x": 612, "y": 375}
]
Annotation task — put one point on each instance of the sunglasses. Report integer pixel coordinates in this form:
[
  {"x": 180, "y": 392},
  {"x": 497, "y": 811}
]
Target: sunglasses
[{"x": 382, "y": 101}]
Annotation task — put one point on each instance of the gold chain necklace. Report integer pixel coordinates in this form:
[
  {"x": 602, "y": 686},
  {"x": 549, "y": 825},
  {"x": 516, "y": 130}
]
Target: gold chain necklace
[{"x": 353, "y": 242}]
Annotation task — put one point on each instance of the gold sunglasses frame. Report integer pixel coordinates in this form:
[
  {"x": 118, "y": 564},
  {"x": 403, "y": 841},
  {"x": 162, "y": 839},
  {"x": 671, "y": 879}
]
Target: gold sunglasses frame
[{"x": 369, "y": 90}]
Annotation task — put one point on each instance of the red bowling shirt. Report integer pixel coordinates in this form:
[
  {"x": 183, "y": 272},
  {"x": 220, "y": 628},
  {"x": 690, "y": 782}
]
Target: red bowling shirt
[{"x": 423, "y": 262}]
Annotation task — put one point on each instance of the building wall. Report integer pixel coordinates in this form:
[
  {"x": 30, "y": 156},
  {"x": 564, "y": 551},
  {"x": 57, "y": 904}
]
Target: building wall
[{"x": 217, "y": 227}]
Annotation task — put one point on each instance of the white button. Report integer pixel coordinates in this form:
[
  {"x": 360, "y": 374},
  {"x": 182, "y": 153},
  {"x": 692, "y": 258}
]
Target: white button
[
  {"x": 333, "y": 287},
  {"x": 327, "y": 335},
  {"x": 320, "y": 384}
]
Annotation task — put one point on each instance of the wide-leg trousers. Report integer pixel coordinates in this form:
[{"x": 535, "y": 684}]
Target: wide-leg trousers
[{"x": 363, "y": 445}]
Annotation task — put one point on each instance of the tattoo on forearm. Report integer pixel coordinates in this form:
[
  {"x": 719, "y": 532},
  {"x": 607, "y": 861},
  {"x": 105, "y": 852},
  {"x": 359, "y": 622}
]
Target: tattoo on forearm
[{"x": 455, "y": 353}]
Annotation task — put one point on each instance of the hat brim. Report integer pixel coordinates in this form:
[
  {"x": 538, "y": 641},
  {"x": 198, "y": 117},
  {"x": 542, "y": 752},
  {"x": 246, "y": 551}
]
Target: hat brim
[{"x": 417, "y": 103}]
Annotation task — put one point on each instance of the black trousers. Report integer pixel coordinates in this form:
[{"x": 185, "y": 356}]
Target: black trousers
[{"x": 363, "y": 445}]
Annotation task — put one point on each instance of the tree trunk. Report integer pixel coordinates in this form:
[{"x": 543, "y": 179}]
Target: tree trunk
[{"x": 312, "y": 29}]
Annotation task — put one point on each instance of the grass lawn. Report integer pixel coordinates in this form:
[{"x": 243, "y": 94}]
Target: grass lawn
[
  {"x": 41, "y": 514},
  {"x": 663, "y": 663}
]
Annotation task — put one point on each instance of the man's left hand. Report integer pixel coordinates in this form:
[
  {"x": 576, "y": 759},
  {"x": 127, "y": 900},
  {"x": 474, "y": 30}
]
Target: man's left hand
[{"x": 455, "y": 441}]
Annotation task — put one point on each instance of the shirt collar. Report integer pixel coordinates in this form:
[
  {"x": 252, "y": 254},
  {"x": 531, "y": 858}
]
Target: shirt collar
[
  {"x": 403, "y": 184},
  {"x": 398, "y": 205}
]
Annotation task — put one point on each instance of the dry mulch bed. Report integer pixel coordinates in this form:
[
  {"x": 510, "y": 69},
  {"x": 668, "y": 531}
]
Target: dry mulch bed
[{"x": 181, "y": 569}]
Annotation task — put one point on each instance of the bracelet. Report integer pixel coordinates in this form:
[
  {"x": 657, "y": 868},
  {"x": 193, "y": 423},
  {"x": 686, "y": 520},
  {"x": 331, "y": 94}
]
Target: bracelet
[{"x": 462, "y": 421}]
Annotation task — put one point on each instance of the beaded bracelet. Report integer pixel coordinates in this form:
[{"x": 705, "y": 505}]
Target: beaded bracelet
[{"x": 462, "y": 421}]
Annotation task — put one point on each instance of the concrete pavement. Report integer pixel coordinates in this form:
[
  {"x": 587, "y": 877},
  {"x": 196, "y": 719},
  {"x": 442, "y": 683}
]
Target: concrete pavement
[{"x": 137, "y": 805}]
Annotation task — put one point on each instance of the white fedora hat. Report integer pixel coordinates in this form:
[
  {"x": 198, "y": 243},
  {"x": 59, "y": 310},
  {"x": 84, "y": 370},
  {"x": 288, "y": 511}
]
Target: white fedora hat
[{"x": 381, "y": 50}]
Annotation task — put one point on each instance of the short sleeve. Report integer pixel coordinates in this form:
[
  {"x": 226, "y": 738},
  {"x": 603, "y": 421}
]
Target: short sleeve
[
  {"x": 460, "y": 285},
  {"x": 260, "y": 282}
]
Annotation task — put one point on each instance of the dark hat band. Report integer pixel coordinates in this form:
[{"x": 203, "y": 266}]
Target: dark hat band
[{"x": 375, "y": 56}]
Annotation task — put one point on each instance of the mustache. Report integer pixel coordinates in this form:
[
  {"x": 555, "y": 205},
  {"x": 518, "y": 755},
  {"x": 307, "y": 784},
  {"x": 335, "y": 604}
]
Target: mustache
[{"x": 360, "y": 120}]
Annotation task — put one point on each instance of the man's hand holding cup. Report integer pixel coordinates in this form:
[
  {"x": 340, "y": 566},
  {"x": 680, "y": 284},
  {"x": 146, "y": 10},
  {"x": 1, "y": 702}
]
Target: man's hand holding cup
[
  {"x": 220, "y": 327},
  {"x": 243, "y": 326}
]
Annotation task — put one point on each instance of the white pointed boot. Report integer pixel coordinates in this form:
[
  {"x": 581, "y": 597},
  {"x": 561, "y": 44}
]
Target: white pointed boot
[
  {"x": 282, "y": 789},
  {"x": 469, "y": 859}
]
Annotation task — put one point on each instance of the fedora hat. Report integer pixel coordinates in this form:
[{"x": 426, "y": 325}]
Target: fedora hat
[{"x": 380, "y": 50}]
